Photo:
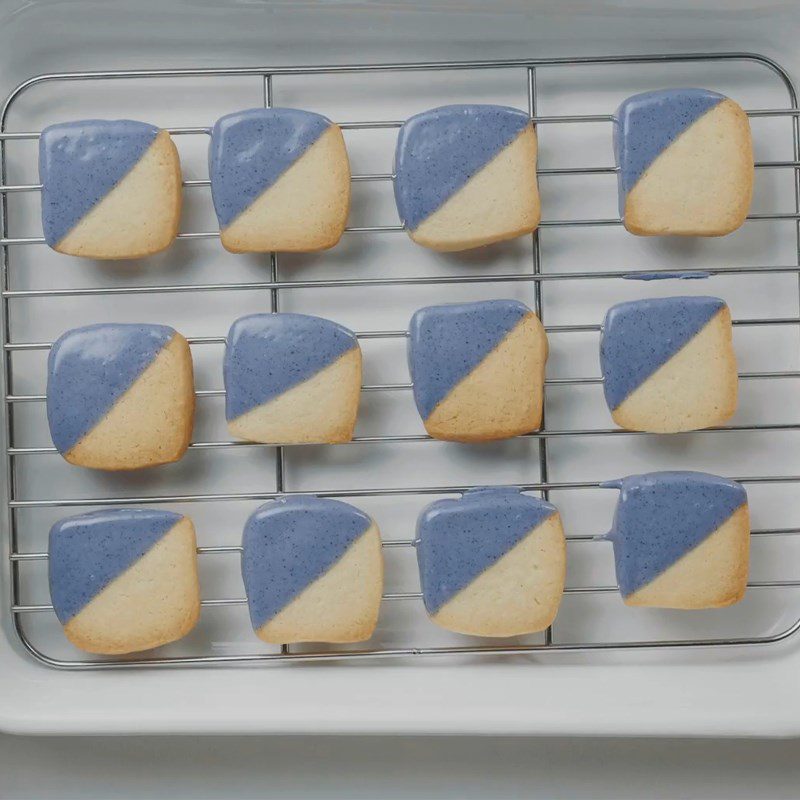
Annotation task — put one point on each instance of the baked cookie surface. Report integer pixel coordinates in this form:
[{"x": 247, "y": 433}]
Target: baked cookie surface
[
  {"x": 292, "y": 379},
  {"x": 466, "y": 176},
  {"x": 280, "y": 180},
  {"x": 111, "y": 189},
  {"x": 685, "y": 160},
  {"x": 492, "y": 563},
  {"x": 478, "y": 369},
  {"x": 668, "y": 364},
  {"x": 312, "y": 570},
  {"x": 124, "y": 580},
  {"x": 681, "y": 540},
  {"x": 120, "y": 396}
]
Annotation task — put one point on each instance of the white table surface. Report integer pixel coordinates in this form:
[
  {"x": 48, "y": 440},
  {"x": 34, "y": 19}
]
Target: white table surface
[{"x": 383, "y": 768}]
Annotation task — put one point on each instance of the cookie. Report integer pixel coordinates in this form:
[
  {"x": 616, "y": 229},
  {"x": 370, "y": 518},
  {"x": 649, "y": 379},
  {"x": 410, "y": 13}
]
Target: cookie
[
  {"x": 681, "y": 540},
  {"x": 491, "y": 563},
  {"x": 120, "y": 396},
  {"x": 111, "y": 189},
  {"x": 280, "y": 180},
  {"x": 125, "y": 580},
  {"x": 291, "y": 379},
  {"x": 313, "y": 571},
  {"x": 668, "y": 364},
  {"x": 478, "y": 369},
  {"x": 465, "y": 176},
  {"x": 685, "y": 161}
]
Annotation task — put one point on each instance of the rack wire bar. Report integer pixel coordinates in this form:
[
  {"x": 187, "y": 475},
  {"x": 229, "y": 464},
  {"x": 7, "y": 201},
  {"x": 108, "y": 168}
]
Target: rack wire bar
[
  {"x": 20, "y": 559},
  {"x": 394, "y": 491},
  {"x": 369, "y": 282},
  {"x": 586, "y": 328},
  {"x": 545, "y": 223},
  {"x": 236, "y": 549}
]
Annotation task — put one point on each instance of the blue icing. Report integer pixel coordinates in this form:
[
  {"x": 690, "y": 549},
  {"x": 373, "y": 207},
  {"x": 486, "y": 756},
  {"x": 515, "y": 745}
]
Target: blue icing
[
  {"x": 90, "y": 368},
  {"x": 686, "y": 275},
  {"x": 646, "y": 124},
  {"x": 81, "y": 162},
  {"x": 458, "y": 539},
  {"x": 447, "y": 342},
  {"x": 89, "y": 551},
  {"x": 439, "y": 150},
  {"x": 250, "y": 150},
  {"x": 288, "y": 544},
  {"x": 270, "y": 353},
  {"x": 661, "y": 516},
  {"x": 642, "y": 335}
]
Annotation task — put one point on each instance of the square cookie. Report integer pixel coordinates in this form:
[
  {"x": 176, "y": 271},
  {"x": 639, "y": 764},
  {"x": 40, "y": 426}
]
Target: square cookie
[
  {"x": 465, "y": 176},
  {"x": 685, "y": 159},
  {"x": 478, "y": 369},
  {"x": 491, "y": 563},
  {"x": 280, "y": 180},
  {"x": 668, "y": 364},
  {"x": 111, "y": 189},
  {"x": 312, "y": 570},
  {"x": 125, "y": 580},
  {"x": 120, "y": 396},
  {"x": 292, "y": 379},
  {"x": 681, "y": 540}
]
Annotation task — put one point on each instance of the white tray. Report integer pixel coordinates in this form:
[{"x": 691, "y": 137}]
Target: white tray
[{"x": 719, "y": 691}]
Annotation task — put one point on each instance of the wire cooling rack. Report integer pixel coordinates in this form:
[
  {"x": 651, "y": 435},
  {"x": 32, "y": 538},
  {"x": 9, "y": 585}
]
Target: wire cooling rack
[{"x": 204, "y": 648}]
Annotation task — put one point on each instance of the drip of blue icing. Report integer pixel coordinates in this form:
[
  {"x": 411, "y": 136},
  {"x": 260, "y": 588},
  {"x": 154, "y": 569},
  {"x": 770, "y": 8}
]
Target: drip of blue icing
[
  {"x": 290, "y": 542},
  {"x": 90, "y": 368},
  {"x": 251, "y": 149},
  {"x": 270, "y": 353},
  {"x": 686, "y": 275},
  {"x": 642, "y": 335},
  {"x": 87, "y": 552},
  {"x": 661, "y": 516},
  {"x": 447, "y": 342},
  {"x": 81, "y": 162},
  {"x": 646, "y": 124},
  {"x": 458, "y": 539},
  {"x": 439, "y": 150}
]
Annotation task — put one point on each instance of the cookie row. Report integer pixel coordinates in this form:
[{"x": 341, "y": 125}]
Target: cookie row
[
  {"x": 491, "y": 563},
  {"x": 121, "y": 396},
  {"x": 464, "y": 176}
]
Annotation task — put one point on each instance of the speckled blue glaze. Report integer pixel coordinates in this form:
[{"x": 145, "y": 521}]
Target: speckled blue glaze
[
  {"x": 458, "y": 539},
  {"x": 81, "y": 162},
  {"x": 687, "y": 275},
  {"x": 439, "y": 150},
  {"x": 289, "y": 543},
  {"x": 251, "y": 149},
  {"x": 267, "y": 354},
  {"x": 90, "y": 368},
  {"x": 642, "y": 335},
  {"x": 447, "y": 342},
  {"x": 661, "y": 516},
  {"x": 646, "y": 124},
  {"x": 89, "y": 551}
]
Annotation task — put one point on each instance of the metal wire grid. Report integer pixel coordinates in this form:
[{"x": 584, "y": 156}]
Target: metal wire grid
[{"x": 267, "y": 77}]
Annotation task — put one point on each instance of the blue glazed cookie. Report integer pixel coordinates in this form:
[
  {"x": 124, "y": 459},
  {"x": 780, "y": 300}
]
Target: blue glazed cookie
[
  {"x": 681, "y": 540},
  {"x": 478, "y": 369},
  {"x": 685, "y": 159},
  {"x": 292, "y": 379},
  {"x": 465, "y": 176},
  {"x": 120, "y": 396},
  {"x": 280, "y": 180},
  {"x": 111, "y": 189},
  {"x": 125, "y": 580},
  {"x": 491, "y": 563},
  {"x": 668, "y": 364},
  {"x": 313, "y": 571}
]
